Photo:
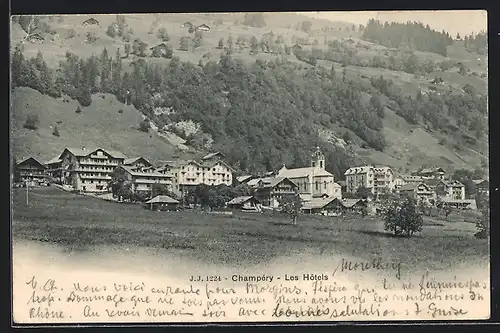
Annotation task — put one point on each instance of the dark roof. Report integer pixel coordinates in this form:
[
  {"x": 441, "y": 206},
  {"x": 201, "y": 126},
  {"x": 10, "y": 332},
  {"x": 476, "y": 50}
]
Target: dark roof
[
  {"x": 241, "y": 200},
  {"x": 80, "y": 152},
  {"x": 35, "y": 35},
  {"x": 132, "y": 160},
  {"x": 32, "y": 159},
  {"x": 162, "y": 45},
  {"x": 162, "y": 199},
  {"x": 91, "y": 20}
]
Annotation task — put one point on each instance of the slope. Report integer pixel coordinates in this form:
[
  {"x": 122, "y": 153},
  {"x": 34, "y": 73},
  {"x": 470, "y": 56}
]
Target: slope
[{"x": 100, "y": 125}]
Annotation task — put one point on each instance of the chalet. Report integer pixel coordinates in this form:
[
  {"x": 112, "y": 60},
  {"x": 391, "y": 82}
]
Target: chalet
[
  {"x": 203, "y": 27},
  {"x": 35, "y": 38},
  {"x": 450, "y": 190},
  {"x": 431, "y": 173},
  {"x": 137, "y": 162},
  {"x": 143, "y": 179},
  {"x": 323, "y": 206},
  {"x": 89, "y": 170},
  {"x": 31, "y": 172},
  {"x": 296, "y": 48},
  {"x": 90, "y": 21},
  {"x": 417, "y": 191},
  {"x": 54, "y": 170},
  {"x": 398, "y": 182},
  {"x": 245, "y": 203},
  {"x": 160, "y": 49},
  {"x": 187, "y": 25},
  {"x": 162, "y": 202},
  {"x": 269, "y": 191},
  {"x": 437, "y": 80},
  {"x": 482, "y": 186},
  {"x": 313, "y": 181}
]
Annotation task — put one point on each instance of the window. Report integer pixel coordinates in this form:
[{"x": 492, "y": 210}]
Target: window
[
  {"x": 320, "y": 164},
  {"x": 317, "y": 187},
  {"x": 325, "y": 184}
]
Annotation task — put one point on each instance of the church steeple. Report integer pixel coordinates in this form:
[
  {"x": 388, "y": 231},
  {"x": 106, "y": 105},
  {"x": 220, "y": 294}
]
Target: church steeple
[{"x": 318, "y": 159}]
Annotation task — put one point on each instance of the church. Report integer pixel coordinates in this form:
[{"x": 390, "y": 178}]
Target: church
[{"x": 314, "y": 181}]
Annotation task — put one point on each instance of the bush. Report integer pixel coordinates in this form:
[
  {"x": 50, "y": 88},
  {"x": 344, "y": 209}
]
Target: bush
[
  {"x": 78, "y": 110},
  {"x": 31, "y": 122},
  {"x": 120, "y": 111},
  {"x": 483, "y": 225},
  {"x": 403, "y": 219},
  {"x": 144, "y": 126},
  {"x": 55, "y": 132}
]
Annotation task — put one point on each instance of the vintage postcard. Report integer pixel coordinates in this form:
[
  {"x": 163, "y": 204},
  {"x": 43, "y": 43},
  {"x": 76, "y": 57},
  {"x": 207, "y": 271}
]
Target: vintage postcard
[{"x": 250, "y": 167}]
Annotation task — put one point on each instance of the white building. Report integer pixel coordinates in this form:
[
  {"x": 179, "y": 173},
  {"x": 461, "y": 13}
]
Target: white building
[
  {"x": 313, "y": 181},
  {"x": 379, "y": 180}
]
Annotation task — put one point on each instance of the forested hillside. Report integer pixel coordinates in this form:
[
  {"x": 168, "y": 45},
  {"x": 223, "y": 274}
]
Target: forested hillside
[{"x": 264, "y": 113}]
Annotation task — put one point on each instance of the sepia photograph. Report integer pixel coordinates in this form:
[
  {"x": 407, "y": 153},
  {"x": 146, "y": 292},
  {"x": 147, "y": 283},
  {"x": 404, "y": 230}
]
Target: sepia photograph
[{"x": 249, "y": 167}]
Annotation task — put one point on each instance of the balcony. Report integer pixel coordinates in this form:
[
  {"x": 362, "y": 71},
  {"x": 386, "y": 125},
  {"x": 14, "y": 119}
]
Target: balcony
[
  {"x": 106, "y": 163},
  {"x": 107, "y": 177}
]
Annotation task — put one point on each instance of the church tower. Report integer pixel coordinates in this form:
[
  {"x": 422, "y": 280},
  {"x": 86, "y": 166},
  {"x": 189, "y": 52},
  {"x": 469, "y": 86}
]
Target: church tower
[{"x": 318, "y": 159}]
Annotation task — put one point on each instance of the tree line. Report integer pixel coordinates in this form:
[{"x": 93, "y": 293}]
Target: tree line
[{"x": 412, "y": 35}]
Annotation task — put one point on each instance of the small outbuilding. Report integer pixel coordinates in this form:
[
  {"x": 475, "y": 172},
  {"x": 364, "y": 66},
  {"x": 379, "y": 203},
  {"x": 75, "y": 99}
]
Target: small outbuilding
[
  {"x": 162, "y": 202},
  {"x": 245, "y": 203}
]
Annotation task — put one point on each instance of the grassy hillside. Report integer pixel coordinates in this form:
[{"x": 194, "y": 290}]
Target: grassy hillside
[
  {"x": 408, "y": 146},
  {"x": 100, "y": 124}
]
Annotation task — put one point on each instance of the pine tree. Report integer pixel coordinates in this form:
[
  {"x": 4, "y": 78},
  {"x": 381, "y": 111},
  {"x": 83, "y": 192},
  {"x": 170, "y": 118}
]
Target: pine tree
[
  {"x": 127, "y": 50},
  {"x": 221, "y": 43},
  {"x": 117, "y": 72}
]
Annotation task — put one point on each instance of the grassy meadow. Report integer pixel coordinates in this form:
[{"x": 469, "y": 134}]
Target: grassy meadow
[{"x": 81, "y": 223}]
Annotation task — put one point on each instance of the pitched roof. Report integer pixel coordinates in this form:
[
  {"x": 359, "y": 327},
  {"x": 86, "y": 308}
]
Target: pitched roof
[
  {"x": 54, "y": 160},
  {"x": 413, "y": 186},
  {"x": 303, "y": 172},
  {"x": 480, "y": 181},
  {"x": 411, "y": 178},
  {"x": 33, "y": 159},
  {"x": 162, "y": 199},
  {"x": 315, "y": 203},
  {"x": 273, "y": 181},
  {"x": 244, "y": 178},
  {"x": 409, "y": 187},
  {"x": 254, "y": 182},
  {"x": 358, "y": 170},
  {"x": 85, "y": 151},
  {"x": 134, "y": 159},
  {"x": 159, "y": 45},
  {"x": 241, "y": 200},
  {"x": 35, "y": 35},
  {"x": 206, "y": 157},
  {"x": 91, "y": 20},
  {"x": 137, "y": 173},
  {"x": 348, "y": 203},
  {"x": 452, "y": 183},
  {"x": 432, "y": 182}
]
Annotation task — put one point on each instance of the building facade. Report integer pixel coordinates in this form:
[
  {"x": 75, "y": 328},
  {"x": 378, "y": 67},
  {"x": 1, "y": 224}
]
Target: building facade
[
  {"x": 418, "y": 191},
  {"x": 190, "y": 173},
  {"x": 143, "y": 179},
  {"x": 313, "y": 181},
  {"x": 270, "y": 191},
  {"x": 383, "y": 180},
  {"x": 89, "y": 170},
  {"x": 31, "y": 172},
  {"x": 431, "y": 173},
  {"x": 453, "y": 190}
]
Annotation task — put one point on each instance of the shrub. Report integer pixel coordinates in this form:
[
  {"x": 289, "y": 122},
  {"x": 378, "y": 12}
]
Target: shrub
[
  {"x": 120, "y": 111},
  {"x": 78, "y": 110},
  {"x": 55, "y": 132},
  {"x": 31, "y": 122},
  {"x": 144, "y": 126},
  {"x": 403, "y": 219},
  {"x": 483, "y": 225}
]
